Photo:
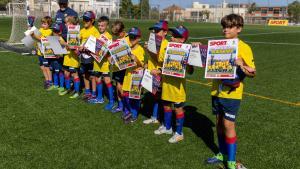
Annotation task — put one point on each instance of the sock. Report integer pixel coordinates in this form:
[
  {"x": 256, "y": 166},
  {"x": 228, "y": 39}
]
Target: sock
[
  {"x": 179, "y": 122},
  {"x": 68, "y": 82},
  {"x": 87, "y": 91},
  {"x": 55, "y": 78},
  {"x": 155, "y": 110},
  {"x": 231, "y": 148},
  {"x": 222, "y": 144},
  {"x": 125, "y": 104},
  {"x": 110, "y": 92},
  {"x": 135, "y": 106},
  {"x": 168, "y": 118},
  {"x": 49, "y": 82},
  {"x": 99, "y": 90},
  {"x": 93, "y": 94},
  {"x": 77, "y": 84},
  {"x": 61, "y": 80}
]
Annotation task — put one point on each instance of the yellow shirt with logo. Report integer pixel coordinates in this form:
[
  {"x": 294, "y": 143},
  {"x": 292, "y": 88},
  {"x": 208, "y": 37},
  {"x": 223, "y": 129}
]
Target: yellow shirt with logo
[
  {"x": 139, "y": 52},
  {"x": 222, "y": 91},
  {"x": 85, "y": 33},
  {"x": 173, "y": 88},
  {"x": 153, "y": 63},
  {"x": 44, "y": 34},
  {"x": 103, "y": 66}
]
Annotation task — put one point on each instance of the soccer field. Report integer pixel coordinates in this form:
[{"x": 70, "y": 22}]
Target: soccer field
[{"x": 41, "y": 129}]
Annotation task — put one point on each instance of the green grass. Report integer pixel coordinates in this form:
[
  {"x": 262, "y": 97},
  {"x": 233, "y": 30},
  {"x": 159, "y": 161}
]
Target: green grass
[{"x": 40, "y": 129}]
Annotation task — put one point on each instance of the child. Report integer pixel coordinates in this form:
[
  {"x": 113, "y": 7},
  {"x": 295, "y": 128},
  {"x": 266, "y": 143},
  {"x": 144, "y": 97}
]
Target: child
[
  {"x": 71, "y": 64},
  {"x": 225, "y": 101},
  {"x": 118, "y": 75},
  {"x": 102, "y": 70},
  {"x": 86, "y": 59},
  {"x": 56, "y": 64},
  {"x": 131, "y": 106},
  {"x": 44, "y": 63},
  {"x": 174, "y": 93},
  {"x": 160, "y": 29}
]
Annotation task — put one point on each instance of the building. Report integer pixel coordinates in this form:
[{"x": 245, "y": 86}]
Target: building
[
  {"x": 263, "y": 14},
  {"x": 173, "y": 13}
]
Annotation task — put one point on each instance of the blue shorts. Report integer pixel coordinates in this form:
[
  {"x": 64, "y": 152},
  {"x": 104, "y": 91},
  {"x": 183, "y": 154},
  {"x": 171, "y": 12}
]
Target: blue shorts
[
  {"x": 56, "y": 64},
  {"x": 43, "y": 61},
  {"x": 119, "y": 76},
  {"x": 176, "y": 105},
  {"x": 227, "y": 107},
  {"x": 71, "y": 69}
]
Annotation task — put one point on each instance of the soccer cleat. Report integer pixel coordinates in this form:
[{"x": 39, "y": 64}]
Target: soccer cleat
[
  {"x": 52, "y": 87},
  {"x": 163, "y": 130},
  {"x": 151, "y": 121},
  {"x": 231, "y": 165},
  {"x": 127, "y": 118},
  {"x": 176, "y": 138},
  {"x": 218, "y": 158},
  {"x": 133, "y": 120},
  {"x": 74, "y": 96},
  {"x": 116, "y": 110},
  {"x": 87, "y": 96},
  {"x": 96, "y": 101},
  {"x": 109, "y": 106},
  {"x": 62, "y": 91}
]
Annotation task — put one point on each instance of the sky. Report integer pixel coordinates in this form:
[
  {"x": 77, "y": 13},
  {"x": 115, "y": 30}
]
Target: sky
[{"x": 188, "y": 3}]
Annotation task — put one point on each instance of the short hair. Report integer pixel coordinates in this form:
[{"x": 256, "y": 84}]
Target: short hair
[
  {"x": 232, "y": 20},
  {"x": 47, "y": 19},
  {"x": 103, "y": 19},
  {"x": 72, "y": 19},
  {"x": 117, "y": 27}
]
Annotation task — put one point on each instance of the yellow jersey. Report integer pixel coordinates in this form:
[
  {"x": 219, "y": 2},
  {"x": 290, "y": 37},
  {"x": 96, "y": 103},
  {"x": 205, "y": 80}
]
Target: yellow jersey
[
  {"x": 139, "y": 52},
  {"x": 222, "y": 91},
  {"x": 86, "y": 33},
  {"x": 71, "y": 59},
  {"x": 44, "y": 34},
  {"x": 103, "y": 66},
  {"x": 153, "y": 63}
]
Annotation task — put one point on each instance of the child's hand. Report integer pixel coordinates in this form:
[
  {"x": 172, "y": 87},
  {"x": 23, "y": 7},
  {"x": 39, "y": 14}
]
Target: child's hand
[
  {"x": 239, "y": 62},
  {"x": 145, "y": 66},
  {"x": 155, "y": 72},
  {"x": 196, "y": 43},
  {"x": 146, "y": 45},
  {"x": 80, "y": 48}
]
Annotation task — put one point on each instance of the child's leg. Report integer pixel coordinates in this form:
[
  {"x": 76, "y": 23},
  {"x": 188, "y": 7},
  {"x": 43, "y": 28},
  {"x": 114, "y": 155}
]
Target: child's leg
[
  {"x": 221, "y": 134},
  {"x": 167, "y": 115},
  {"x": 61, "y": 79},
  {"x": 99, "y": 88},
  {"x": 94, "y": 85},
  {"x": 135, "y": 107},
  {"x": 76, "y": 82},
  {"x": 67, "y": 79},
  {"x": 119, "y": 95},
  {"x": 126, "y": 103},
  {"x": 231, "y": 141},
  {"x": 55, "y": 78},
  {"x": 179, "y": 118},
  {"x": 110, "y": 89},
  {"x": 86, "y": 80},
  {"x": 49, "y": 74}
]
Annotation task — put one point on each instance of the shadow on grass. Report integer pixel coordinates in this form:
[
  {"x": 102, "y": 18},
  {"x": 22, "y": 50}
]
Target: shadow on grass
[{"x": 201, "y": 126}]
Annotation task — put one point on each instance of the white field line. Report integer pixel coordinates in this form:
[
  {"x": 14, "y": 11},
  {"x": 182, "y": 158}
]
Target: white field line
[
  {"x": 4, "y": 51},
  {"x": 249, "y": 34}
]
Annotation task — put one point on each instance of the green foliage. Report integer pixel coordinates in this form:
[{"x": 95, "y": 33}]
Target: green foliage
[
  {"x": 294, "y": 11},
  {"x": 126, "y": 10},
  {"x": 145, "y": 7}
]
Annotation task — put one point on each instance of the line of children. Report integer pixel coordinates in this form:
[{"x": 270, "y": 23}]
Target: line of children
[{"x": 225, "y": 101}]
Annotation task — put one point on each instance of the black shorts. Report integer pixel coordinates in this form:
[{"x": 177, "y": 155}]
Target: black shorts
[
  {"x": 70, "y": 69},
  {"x": 176, "y": 105},
  {"x": 86, "y": 68},
  {"x": 119, "y": 76},
  {"x": 227, "y": 107}
]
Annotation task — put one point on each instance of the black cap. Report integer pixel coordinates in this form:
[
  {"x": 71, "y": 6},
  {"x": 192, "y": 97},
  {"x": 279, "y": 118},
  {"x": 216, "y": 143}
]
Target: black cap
[{"x": 62, "y": 1}]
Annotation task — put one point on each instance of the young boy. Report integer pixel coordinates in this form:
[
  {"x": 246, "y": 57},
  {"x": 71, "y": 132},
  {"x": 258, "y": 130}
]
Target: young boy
[
  {"x": 56, "y": 64},
  {"x": 101, "y": 70},
  {"x": 86, "y": 59},
  {"x": 43, "y": 62},
  {"x": 71, "y": 64},
  {"x": 118, "y": 75},
  {"x": 225, "y": 101},
  {"x": 131, "y": 106},
  {"x": 160, "y": 29},
  {"x": 174, "y": 93}
]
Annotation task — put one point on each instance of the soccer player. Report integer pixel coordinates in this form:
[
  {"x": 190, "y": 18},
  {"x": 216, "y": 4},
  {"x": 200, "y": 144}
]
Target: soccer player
[
  {"x": 101, "y": 70},
  {"x": 118, "y": 33},
  {"x": 44, "y": 63},
  {"x": 132, "y": 106},
  {"x": 71, "y": 64},
  {"x": 86, "y": 59},
  {"x": 174, "y": 93},
  {"x": 226, "y": 99},
  {"x": 161, "y": 30}
]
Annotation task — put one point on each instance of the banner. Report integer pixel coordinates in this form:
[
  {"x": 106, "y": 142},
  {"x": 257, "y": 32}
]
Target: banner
[
  {"x": 51, "y": 47},
  {"x": 73, "y": 37},
  {"x": 273, "y": 22},
  {"x": 46, "y": 48},
  {"x": 97, "y": 47},
  {"x": 197, "y": 56},
  {"x": 154, "y": 43},
  {"x": 135, "y": 87},
  {"x": 220, "y": 59},
  {"x": 175, "y": 59},
  {"x": 121, "y": 54}
]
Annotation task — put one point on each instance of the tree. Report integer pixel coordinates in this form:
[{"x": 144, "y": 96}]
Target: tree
[
  {"x": 126, "y": 9},
  {"x": 294, "y": 11},
  {"x": 136, "y": 11},
  {"x": 252, "y": 8},
  {"x": 145, "y": 7}
]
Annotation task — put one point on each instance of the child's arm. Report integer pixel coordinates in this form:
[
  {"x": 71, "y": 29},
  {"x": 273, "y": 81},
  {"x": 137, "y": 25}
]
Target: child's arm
[
  {"x": 139, "y": 63},
  {"x": 152, "y": 55},
  {"x": 34, "y": 36},
  {"x": 250, "y": 72}
]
